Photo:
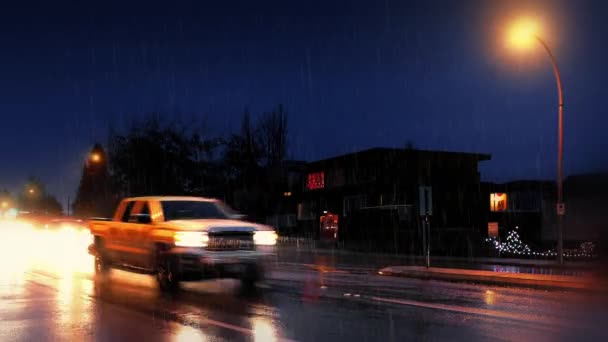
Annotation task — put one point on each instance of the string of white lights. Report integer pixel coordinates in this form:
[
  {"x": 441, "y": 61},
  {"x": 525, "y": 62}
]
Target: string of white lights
[{"x": 515, "y": 246}]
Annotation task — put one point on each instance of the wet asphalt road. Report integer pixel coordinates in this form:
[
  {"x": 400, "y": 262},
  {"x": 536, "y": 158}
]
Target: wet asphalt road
[
  {"x": 54, "y": 296},
  {"x": 358, "y": 261}
]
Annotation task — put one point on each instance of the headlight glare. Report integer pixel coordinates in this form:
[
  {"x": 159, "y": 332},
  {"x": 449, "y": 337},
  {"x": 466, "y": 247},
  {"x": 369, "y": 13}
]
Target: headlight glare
[
  {"x": 191, "y": 239},
  {"x": 265, "y": 237}
]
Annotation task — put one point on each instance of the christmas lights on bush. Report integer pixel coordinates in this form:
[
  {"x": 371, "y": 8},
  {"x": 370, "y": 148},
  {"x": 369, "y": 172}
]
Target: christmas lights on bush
[{"x": 515, "y": 246}]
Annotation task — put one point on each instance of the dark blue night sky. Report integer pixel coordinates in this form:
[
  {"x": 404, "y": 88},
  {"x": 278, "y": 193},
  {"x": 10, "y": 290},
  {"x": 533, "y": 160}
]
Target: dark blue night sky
[{"x": 352, "y": 74}]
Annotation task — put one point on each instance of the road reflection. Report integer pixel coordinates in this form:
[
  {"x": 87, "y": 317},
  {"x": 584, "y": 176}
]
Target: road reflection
[
  {"x": 489, "y": 297},
  {"x": 263, "y": 330},
  {"x": 187, "y": 334},
  {"x": 59, "y": 259}
]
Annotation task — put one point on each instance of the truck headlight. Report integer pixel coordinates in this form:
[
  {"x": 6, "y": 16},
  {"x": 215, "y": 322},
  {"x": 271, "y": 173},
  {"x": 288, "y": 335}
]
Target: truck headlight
[
  {"x": 265, "y": 237},
  {"x": 191, "y": 239}
]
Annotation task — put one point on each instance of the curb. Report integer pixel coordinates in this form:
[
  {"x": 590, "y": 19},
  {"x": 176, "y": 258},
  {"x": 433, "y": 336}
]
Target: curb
[
  {"x": 495, "y": 278},
  {"x": 315, "y": 246}
]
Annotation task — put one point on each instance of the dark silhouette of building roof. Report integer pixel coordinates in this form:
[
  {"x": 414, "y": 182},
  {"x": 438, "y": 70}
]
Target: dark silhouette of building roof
[{"x": 407, "y": 153}]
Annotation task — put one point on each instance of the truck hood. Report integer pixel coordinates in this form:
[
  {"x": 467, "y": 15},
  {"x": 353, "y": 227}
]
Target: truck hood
[{"x": 215, "y": 225}]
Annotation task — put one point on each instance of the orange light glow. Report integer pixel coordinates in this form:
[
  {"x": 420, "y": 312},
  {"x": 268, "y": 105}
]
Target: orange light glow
[
  {"x": 329, "y": 221},
  {"x": 187, "y": 333},
  {"x": 95, "y": 157},
  {"x": 492, "y": 229},
  {"x": 522, "y": 34},
  {"x": 37, "y": 249},
  {"x": 498, "y": 201},
  {"x": 489, "y": 297}
]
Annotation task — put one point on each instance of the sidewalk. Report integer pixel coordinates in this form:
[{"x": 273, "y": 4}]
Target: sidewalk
[
  {"x": 379, "y": 259},
  {"x": 562, "y": 282}
]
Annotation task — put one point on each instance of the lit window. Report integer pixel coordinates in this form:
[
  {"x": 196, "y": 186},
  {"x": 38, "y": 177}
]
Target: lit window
[
  {"x": 492, "y": 229},
  {"x": 498, "y": 201}
]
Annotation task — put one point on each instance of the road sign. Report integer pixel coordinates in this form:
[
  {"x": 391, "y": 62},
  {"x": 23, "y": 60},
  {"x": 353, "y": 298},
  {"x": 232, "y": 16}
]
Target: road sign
[
  {"x": 426, "y": 201},
  {"x": 561, "y": 209}
]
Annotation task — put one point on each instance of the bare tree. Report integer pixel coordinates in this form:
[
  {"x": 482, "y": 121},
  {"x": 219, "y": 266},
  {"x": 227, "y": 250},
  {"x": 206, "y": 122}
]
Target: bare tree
[{"x": 273, "y": 135}]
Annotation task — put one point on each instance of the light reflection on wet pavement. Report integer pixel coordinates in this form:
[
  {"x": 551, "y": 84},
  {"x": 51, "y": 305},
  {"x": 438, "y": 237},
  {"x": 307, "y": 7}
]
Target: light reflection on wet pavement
[{"x": 46, "y": 294}]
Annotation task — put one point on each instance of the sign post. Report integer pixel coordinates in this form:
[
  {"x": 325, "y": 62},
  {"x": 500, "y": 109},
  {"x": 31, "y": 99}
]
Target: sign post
[
  {"x": 426, "y": 210},
  {"x": 561, "y": 209}
]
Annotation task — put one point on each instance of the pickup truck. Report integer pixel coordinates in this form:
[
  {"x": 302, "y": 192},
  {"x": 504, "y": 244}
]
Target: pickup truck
[{"x": 181, "y": 239}]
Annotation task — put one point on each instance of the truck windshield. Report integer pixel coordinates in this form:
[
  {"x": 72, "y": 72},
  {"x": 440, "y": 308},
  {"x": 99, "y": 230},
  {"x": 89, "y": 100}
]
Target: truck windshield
[{"x": 191, "y": 210}]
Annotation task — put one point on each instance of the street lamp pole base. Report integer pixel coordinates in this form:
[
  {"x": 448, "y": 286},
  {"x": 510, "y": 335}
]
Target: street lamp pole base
[{"x": 560, "y": 234}]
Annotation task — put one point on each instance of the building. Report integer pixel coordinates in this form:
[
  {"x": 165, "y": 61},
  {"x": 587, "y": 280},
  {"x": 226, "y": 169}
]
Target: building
[
  {"x": 376, "y": 195},
  {"x": 586, "y": 216},
  {"x": 518, "y": 205},
  {"x": 530, "y": 207}
]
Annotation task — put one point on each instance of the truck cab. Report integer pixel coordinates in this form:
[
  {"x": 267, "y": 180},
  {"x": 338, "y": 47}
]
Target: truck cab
[{"x": 182, "y": 239}]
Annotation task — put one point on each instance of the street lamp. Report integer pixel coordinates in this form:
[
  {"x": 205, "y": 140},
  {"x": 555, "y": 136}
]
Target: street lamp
[
  {"x": 31, "y": 191},
  {"x": 523, "y": 35},
  {"x": 95, "y": 157}
]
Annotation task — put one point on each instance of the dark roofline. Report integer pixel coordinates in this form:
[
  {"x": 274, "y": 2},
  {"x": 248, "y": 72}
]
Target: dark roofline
[
  {"x": 294, "y": 162},
  {"x": 523, "y": 182},
  {"x": 478, "y": 156}
]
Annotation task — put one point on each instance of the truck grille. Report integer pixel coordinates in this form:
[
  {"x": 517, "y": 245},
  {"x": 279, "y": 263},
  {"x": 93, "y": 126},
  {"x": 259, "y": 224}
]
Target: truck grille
[{"x": 230, "y": 241}]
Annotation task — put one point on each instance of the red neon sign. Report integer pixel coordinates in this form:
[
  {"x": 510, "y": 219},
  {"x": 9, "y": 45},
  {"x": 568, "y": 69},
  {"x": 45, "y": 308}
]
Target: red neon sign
[{"x": 315, "y": 181}]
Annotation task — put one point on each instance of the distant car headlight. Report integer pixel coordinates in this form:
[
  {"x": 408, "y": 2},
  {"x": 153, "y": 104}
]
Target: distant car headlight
[
  {"x": 66, "y": 228},
  {"x": 191, "y": 239},
  {"x": 265, "y": 237}
]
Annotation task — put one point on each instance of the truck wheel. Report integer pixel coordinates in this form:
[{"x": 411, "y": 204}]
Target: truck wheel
[
  {"x": 167, "y": 274},
  {"x": 102, "y": 266}
]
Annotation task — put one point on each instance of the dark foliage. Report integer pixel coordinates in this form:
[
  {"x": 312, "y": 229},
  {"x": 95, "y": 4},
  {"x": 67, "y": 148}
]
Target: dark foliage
[
  {"x": 34, "y": 198},
  {"x": 94, "y": 197}
]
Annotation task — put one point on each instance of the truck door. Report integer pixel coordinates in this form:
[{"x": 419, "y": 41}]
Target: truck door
[
  {"x": 138, "y": 229},
  {"x": 118, "y": 243}
]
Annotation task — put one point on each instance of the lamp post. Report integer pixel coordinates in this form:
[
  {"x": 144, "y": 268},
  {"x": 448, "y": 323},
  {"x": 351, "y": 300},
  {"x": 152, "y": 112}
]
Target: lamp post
[{"x": 524, "y": 34}]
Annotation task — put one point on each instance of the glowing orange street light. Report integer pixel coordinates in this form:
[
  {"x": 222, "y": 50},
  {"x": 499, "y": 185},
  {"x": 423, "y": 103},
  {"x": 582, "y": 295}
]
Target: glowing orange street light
[
  {"x": 95, "y": 157},
  {"x": 31, "y": 191},
  {"x": 522, "y": 35}
]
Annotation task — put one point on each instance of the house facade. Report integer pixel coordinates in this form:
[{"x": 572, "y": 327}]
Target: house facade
[{"x": 375, "y": 194}]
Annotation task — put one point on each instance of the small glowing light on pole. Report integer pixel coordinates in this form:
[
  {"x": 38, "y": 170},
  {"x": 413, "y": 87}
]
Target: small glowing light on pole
[
  {"x": 523, "y": 33},
  {"x": 95, "y": 157}
]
